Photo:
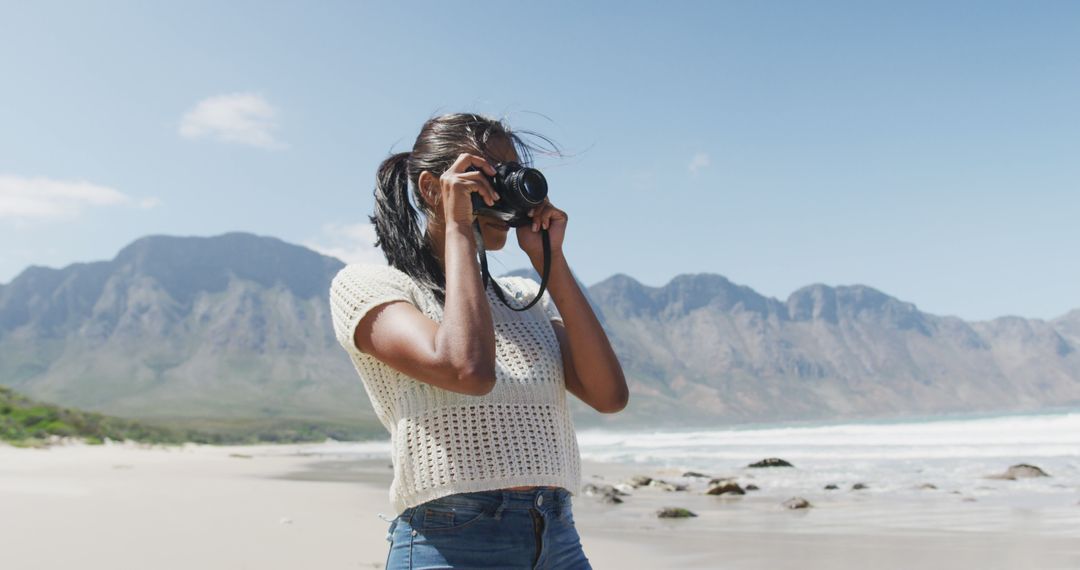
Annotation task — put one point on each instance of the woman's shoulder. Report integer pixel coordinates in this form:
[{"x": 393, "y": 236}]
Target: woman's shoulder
[
  {"x": 371, "y": 280},
  {"x": 359, "y": 287},
  {"x": 373, "y": 272}
]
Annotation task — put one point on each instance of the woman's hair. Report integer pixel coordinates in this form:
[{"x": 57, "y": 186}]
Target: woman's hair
[{"x": 441, "y": 140}]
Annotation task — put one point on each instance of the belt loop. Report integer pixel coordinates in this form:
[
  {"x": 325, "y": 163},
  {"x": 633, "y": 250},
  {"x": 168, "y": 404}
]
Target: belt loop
[{"x": 502, "y": 504}]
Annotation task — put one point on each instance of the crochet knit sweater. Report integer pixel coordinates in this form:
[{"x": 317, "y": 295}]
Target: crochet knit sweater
[{"x": 445, "y": 442}]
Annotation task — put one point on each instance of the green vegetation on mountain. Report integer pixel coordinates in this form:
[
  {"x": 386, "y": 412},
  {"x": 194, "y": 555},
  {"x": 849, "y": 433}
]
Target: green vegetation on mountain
[
  {"x": 25, "y": 422},
  {"x": 28, "y": 423}
]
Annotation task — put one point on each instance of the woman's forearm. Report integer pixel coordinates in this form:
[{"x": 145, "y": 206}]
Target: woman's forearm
[
  {"x": 595, "y": 364},
  {"x": 466, "y": 336}
]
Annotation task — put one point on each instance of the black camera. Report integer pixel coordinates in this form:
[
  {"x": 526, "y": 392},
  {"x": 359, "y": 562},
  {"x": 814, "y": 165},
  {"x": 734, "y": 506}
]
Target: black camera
[{"x": 520, "y": 189}]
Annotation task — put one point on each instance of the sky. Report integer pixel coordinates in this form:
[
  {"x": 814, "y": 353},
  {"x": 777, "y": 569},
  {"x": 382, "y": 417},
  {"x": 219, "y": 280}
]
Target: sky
[{"x": 930, "y": 150}]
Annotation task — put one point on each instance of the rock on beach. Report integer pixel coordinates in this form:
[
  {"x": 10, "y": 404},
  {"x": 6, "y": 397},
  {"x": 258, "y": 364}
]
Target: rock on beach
[
  {"x": 606, "y": 493},
  {"x": 726, "y": 488},
  {"x": 674, "y": 513},
  {"x": 797, "y": 503},
  {"x": 1020, "y": 471},
  {"x": 666, "y": 486},
  {"x": 771, "y": 462}
]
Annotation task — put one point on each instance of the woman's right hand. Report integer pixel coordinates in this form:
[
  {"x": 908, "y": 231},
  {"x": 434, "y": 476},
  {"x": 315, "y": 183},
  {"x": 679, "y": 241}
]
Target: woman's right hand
[{"x": 456, "y": 185}]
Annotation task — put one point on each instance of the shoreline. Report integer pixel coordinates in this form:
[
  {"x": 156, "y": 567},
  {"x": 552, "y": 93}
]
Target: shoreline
[{"x": 126, "y": 505}]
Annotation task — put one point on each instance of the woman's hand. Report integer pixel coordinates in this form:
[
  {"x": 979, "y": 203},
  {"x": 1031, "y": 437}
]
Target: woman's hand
[
  {"x": 456, "y": 184},
  {"x": 531, "y": 241}
]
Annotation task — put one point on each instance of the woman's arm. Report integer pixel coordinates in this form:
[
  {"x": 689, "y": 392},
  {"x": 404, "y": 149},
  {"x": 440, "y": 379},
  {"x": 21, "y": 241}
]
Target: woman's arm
[
  {"x": 591, "y": 369},
  {"x": 457, "y": 354}
]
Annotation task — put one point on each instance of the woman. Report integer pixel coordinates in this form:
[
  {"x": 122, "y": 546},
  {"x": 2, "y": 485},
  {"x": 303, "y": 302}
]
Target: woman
[{"x": 473, "y": 393}]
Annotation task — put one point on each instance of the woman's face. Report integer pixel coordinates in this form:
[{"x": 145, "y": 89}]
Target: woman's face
[{"x": 493, "y": 229}]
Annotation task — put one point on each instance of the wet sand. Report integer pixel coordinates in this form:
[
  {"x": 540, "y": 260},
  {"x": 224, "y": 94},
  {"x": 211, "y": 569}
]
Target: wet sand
[{"x": 273, "y": 506}]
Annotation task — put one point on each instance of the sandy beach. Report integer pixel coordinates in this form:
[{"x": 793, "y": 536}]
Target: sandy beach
[{"x": 126, "y": 505}]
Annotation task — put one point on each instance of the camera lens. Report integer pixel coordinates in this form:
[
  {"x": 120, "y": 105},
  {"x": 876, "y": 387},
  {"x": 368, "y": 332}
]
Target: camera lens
[{"x": 530, "y": 184}]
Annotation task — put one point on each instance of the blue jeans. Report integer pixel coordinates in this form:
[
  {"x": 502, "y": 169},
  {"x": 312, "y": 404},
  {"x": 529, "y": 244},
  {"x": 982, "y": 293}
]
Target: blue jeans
[{"x": 488, "y": 529}]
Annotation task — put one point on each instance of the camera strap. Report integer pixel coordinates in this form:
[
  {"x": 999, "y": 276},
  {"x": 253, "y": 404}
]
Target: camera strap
[{"x": 494, "y": 285}]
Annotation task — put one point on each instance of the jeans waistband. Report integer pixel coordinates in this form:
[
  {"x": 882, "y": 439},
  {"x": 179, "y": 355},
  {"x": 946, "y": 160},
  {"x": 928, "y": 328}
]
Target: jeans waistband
[
  {"x": 556, "y": 496},
  {"x": 497, "y": 500}
]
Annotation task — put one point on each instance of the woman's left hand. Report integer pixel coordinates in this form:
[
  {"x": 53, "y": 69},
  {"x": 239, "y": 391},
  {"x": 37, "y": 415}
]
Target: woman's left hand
[{"x": 531, "y": 241}]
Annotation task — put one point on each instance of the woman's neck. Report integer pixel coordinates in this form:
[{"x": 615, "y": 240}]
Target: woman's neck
[{"x": 436, "y": 237}]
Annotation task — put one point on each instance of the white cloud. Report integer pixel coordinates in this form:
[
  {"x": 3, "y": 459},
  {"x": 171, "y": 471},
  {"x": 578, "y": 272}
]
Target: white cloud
[
  {"x": 700, "y": 160},
  {"x": 44, "y": 199},
  {"x": 242, "y": 118},
  {"x": 351, "y": 243}
]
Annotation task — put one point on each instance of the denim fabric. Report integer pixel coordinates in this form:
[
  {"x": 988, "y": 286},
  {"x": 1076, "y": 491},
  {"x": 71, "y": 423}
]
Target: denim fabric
[{"x": 500, "y": 528}]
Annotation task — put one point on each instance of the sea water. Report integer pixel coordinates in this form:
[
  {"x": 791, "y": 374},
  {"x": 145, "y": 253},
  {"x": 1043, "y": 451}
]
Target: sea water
[
  {"x": 895, "y": 453},
  {"x": 892, "y": 459}
]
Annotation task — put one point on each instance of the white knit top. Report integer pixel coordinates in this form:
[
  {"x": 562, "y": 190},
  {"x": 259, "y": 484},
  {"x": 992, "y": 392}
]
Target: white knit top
[{"x": 445, "y": 442}]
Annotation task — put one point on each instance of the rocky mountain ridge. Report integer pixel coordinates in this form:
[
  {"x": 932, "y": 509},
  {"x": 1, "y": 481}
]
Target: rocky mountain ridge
[{"x": 237, "y": 326}]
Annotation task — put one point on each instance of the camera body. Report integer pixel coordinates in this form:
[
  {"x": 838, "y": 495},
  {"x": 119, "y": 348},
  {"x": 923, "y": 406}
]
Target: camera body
[{"x": 520, "y": 189}]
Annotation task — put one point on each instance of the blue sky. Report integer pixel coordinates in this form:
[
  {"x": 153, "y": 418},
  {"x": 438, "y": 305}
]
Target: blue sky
[{"x": 930, "y": 150}]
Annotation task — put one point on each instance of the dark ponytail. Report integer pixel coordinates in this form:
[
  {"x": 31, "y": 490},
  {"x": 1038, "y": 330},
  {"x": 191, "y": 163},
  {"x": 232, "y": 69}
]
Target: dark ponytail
[
  {"x": 399, "y": 235},
  {"x": 441, "y": 140}
]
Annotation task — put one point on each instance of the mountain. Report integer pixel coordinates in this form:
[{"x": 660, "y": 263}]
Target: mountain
[
  {"x": 233, "y": 327},
  {"x": 1068, "y": 326},
  {"x": 236, "y": 328},
  {"x": 702, "y": 349}
]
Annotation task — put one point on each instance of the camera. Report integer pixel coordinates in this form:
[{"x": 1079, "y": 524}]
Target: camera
[{"x": 520, "y": 189}]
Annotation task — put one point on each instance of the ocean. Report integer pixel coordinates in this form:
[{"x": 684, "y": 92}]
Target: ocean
[{"x": 893, "y": 460}]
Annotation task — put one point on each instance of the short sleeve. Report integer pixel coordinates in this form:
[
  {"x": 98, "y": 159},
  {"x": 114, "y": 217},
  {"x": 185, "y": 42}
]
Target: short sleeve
[
  {"x": 359, "y": 287},
  {"x": 531, "y": 286}
]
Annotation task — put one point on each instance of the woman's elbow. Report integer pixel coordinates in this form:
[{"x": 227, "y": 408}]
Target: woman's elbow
[
  {"x": 616, "y": 404},
  {"x": 477, "y": 380}
]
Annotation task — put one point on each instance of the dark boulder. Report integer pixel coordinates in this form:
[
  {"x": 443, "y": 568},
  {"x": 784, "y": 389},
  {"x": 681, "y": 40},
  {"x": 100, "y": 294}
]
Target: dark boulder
[
  {"x": 771, "y": 462},
  {"x": 674, "y": 513},
  {"x": 1020, "y": 471},
  {"x": 726, "y": 488},
  {"x": 797, "y": 503}
]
